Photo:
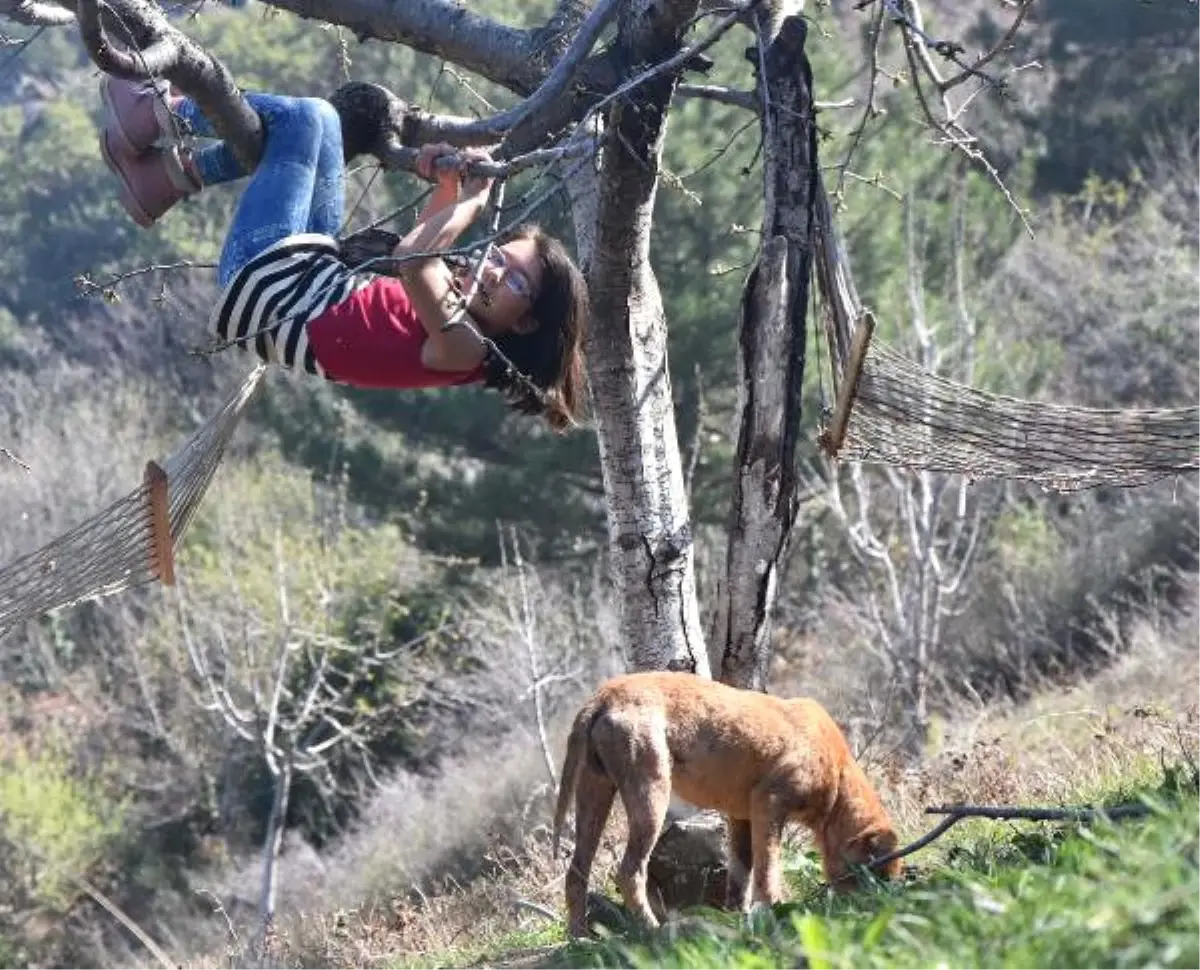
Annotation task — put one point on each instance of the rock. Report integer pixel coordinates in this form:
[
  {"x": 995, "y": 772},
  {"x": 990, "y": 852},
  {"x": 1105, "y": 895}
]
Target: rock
[{"x": 687, "y": 866}]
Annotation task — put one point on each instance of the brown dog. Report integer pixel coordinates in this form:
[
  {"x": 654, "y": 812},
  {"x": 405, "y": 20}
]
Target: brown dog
[{"x": 760, "y": 760}]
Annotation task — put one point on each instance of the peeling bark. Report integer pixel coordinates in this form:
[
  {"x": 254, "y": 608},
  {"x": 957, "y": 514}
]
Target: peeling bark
[{"x": 771, "y": 340}]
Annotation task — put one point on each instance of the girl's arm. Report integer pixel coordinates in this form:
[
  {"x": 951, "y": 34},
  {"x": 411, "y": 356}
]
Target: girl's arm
[{"x": 454, "y": 205}]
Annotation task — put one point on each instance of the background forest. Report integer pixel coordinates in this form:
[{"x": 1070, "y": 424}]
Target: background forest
[{"x": 467, "y": 545}]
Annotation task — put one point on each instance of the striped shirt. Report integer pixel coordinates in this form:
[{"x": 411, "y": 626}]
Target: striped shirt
[
  {"x": 269, "y": 302},
  {"x": 297, "y": 304}
]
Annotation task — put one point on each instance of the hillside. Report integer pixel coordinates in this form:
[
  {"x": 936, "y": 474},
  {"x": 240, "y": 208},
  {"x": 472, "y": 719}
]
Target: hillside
[
  {"x": 986, "y": 894},
  {"x": 441, "y": 562}
]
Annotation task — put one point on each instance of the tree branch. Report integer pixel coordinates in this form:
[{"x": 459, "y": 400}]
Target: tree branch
[
  {"x": 956, "y": 813},
  {"x": 161, "y": 49},
  {"x": 443, "y": 28},
  {"x": 33, "y": 13}
]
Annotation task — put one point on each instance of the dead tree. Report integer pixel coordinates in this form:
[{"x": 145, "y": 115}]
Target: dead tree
[
  {"x": 771, "y": 341},
  {"x": 291, "y": 695}
]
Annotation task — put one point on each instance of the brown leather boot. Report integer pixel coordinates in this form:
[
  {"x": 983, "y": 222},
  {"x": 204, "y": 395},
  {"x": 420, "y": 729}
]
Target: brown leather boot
[
  {"x": 139, "y": 114},
  {"x": 151, "y": 182}
]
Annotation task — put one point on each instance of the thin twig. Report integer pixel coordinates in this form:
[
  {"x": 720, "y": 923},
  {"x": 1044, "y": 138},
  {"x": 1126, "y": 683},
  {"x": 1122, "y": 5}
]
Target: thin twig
[
  {"x": 537, "y": 908},
  {"x": 1084, "y": 813}
]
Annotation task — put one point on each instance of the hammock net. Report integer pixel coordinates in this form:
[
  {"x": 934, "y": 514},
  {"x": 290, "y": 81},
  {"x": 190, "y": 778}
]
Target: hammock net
[
  {"x": 892, "y": 411},
  {"x": 131, "y": 542}
]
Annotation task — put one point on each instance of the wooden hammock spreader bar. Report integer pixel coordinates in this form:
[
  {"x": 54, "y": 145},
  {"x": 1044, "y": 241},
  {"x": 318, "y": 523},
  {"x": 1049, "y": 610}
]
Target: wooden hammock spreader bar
[
  {"x": 831, "y": 438},
  {"x": 132, "y": 542},
  {"x": 162, "y": 547}
]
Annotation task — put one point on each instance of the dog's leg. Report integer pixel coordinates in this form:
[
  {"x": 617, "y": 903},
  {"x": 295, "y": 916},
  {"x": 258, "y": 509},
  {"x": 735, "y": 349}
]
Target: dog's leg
[
  {"x": 593, "y": 801},
  {"x": 646, "y": 808},
  {"x": 737, "y": 878},
  {"x": 644, "y": 782},
  {"x": 768, "y": 813}
]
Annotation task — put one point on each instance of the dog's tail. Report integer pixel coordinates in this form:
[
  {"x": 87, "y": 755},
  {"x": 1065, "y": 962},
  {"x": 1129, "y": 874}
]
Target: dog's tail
[{"x": 577, "y": 750}]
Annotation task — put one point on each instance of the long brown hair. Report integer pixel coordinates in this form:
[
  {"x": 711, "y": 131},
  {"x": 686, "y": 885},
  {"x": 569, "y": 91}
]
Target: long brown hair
[{"x": 551, "y": 355}]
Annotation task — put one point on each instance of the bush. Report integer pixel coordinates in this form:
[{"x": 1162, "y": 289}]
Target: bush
[{"x": 56, "y": 825}]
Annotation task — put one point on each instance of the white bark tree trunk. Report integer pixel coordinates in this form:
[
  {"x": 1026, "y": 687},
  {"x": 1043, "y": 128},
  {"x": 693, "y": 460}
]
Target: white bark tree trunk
[
  {"x": 272, "y": 846},
  {"x": 771, "y": 353},
  {"x": 650, "y": 533}
]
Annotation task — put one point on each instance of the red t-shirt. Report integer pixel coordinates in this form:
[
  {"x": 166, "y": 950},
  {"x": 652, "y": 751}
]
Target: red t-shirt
[{"x": 373, "y": 338}]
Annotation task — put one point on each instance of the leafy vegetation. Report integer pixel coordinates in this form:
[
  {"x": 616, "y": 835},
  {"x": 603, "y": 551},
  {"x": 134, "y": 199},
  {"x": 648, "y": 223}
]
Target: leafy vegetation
[{"x": 1110, "y": 894}]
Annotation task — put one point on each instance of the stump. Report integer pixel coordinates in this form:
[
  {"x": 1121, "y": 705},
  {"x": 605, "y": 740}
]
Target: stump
[{"x": 688, "y": 867}]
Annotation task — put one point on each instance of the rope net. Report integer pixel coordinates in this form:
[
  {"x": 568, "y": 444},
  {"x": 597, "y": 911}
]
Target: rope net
[
  {"x": 892, "y": 411},
  {"x": 131, "y": 542}
]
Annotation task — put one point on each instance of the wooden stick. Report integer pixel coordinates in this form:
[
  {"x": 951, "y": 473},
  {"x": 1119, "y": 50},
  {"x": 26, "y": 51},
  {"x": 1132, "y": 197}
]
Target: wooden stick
[
  {"x": 1128, "y": 810},
  {"x": 121, "y": 917},
  {"x": 162, "y": 550},
  {"x": 956, "y": 813},
  {"x": 832, "y": 437}
]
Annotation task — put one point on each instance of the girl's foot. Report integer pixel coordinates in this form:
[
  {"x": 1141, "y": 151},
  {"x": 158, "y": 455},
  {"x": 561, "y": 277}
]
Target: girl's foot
[
  {"x": 139, "y": 114},
  {"x": 152, "y": 182}
]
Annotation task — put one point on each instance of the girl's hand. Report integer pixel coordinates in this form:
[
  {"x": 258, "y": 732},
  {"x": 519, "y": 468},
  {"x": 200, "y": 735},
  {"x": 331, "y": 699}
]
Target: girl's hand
[
  {"x": 453, "y": 180},
  {"x": 445, "y": 176},
  {"x": 474, "y": 185}
]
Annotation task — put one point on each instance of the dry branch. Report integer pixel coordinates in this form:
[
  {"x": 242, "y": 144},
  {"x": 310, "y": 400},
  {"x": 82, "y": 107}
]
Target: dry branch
[
  {"x": 35, "y": 14},
  {"x": 956, "y": 813}
]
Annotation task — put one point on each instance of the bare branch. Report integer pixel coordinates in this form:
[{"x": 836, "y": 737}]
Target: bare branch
[
  {"x": 974, "y": 70},
  {"x": 394, "y": 156},
  {"x": 443, "y": 28},
  {"x": 107, "y": 288},
  {"x": 746, "y": 99},
  {"x": 1085, "y": 813},
  {"x": 870, "y": 110},
  {"x": 125, "y": 920},
  {"x": 720, "y": 94},
  {"x": 958, "y": 137},
  {"x": 33, "y": 13},
  {"x": 527, "y": 624},
  {"x": 956, "y": 813},
  {"x": 564, "y": 71}
]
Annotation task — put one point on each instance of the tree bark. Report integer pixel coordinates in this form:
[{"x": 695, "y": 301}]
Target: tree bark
[
  {"x": 650, "y": 533},
  {"x": 771, "y": 342},
  {"x": 272, "y": 845}
]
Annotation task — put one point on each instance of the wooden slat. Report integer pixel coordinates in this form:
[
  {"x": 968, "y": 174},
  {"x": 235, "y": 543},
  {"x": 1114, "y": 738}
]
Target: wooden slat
[
  {"x": 162, "y": 548},
  {"x": 833, "y": 436}
]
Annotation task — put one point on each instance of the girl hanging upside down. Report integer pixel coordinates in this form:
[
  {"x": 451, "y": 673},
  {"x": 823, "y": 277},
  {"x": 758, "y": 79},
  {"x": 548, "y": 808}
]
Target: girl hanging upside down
[{"x": 287, "y": 293}]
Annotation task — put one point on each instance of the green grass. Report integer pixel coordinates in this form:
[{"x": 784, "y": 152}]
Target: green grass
[
  {"x": 523, "y": 946},
  {"x": 1006, "y": 895}
]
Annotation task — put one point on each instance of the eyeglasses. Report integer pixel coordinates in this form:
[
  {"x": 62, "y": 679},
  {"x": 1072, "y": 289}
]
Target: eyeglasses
[{"x": 516, "y": 281}]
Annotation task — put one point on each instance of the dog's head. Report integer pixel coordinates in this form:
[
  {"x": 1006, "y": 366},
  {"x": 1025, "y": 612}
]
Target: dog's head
[{"x": 842, "y": 862}]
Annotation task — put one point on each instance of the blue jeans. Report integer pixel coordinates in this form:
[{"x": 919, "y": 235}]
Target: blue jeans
[{"x": 299, "y": 185}]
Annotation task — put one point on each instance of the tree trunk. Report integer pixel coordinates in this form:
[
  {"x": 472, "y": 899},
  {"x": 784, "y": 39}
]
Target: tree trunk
[
  {"x": 771, "y": 353},
  {"x": 650, "y": 533},
  {"x": 272, "y": 845}
]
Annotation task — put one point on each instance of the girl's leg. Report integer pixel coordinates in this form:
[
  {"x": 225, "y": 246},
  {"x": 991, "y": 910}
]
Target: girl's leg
[
  {"x": 329, "y": 191},
  {"x": 216, "y": 163},
  {"x": 279, "y": 199},
  {"x": 298, "y": 187}
]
